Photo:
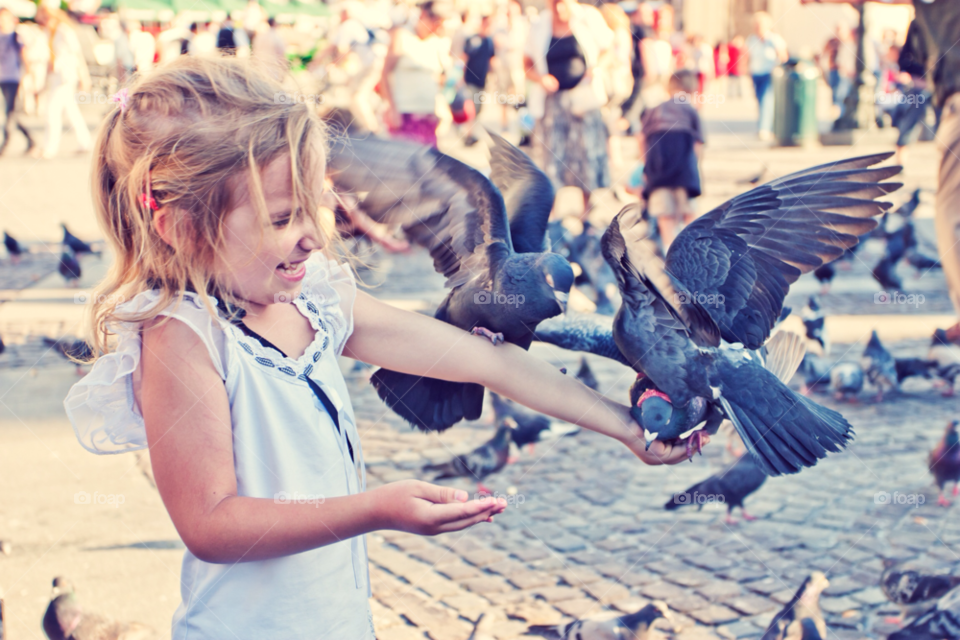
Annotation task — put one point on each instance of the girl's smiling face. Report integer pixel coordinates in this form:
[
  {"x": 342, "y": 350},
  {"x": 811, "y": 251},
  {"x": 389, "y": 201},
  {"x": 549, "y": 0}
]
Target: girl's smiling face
[{"x": 262, "y": 262}]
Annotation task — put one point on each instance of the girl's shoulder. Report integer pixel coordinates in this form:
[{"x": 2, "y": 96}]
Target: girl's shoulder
[{"x": 328, "y": 291}]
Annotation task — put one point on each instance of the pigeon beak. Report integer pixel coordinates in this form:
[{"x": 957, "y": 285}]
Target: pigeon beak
[
  {"x": 649, "y": 437},
  {"x": 561, "y": 298}
]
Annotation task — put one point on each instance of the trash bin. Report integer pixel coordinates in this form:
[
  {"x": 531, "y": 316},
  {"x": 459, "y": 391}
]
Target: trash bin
[{"x": 795, "y": 103}]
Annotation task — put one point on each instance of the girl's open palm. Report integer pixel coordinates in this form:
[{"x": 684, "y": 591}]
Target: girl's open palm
[{"x": 428, "y": 509}]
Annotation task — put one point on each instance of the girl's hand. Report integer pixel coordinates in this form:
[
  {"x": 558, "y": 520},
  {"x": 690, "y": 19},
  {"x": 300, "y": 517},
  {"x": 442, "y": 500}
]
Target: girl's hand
[
  {"x": 549, "y": 83},
  {"x": 428, "y": 509},
  {"x": 660, "y": 452}
]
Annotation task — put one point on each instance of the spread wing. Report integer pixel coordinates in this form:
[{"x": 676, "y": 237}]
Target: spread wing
[
  {"x": 442, "y": 204},
  {"x": 590, "y": 333},
  {"x": 740, "y": 259},
  {"x": 527, "y": 193}
]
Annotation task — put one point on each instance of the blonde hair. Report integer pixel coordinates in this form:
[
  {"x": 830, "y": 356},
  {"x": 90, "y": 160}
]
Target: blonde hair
[{"x": 187, "y": 135}]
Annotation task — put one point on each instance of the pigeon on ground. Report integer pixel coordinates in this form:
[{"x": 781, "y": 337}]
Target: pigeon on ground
[
  {"x": 65, "y": 619},
  {"x": 725, "y": 278},
  {"x": 913, "y": 589},
  {"x": 755, "y": 179},
  {"x": 77, "y": 246},
  {"x": 824, "y": 275},
  {"x": 487, "y": 237},
  {"x": 483, "y": 461},
  {"x": 814, "y": 324},
  {"x": 921, "y": 261},
  {"x": 910, "y": 206},
  {"x": 880, "y": 367},
  {"x": 945, "y": 462},
  {"x": 846, "y": 380},
  {"x": 734, "y": 483},
  {"x": 3, "y": 347},
  {"x": 816, "y": 373},
  {"x": 947, "y": 356},
  {"x": 805, "y": 605},
  {"x": 885, "y": 273},
  {"x": 531, "y": 427},
  {"x": 585, "y": 375},
  {"x": 13, "y": 247},
  {"x": 915, "y": 367},
  {"x": 635, "y": 626},
  {"x": 69, "y": 267},
  {"x": 76, "y": 351},
  {"x": 941, "y": 623}
]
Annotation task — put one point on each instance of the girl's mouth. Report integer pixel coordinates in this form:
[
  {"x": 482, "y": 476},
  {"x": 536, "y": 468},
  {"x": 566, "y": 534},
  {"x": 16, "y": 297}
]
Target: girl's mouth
[{"x": 293, "y": 271}]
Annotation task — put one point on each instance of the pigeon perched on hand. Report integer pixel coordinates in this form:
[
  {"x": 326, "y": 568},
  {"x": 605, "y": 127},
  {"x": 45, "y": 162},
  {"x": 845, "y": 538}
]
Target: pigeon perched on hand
[
  {"x": 65, "y": 619},
  {"x": 940, "y": 623},
  {"x": 788, "y": 624},
  {"x": 13, "y": 247},
  {"x": 945, "y": 462},
  {"x": 879, "y": 366},
  {"x": 914, "y": 590},
  {"x": 69, "y": 267},
  {"x": 486, "y": 237},
  {"x": 483, "y": 461},
  {"x": 846, "y": 380},
  {"x": 733, "y": 484},
  {"x": 635, "y": 626}
]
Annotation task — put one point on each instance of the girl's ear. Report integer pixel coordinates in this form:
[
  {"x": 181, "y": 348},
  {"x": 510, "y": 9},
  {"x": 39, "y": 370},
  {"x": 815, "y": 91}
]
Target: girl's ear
[{"x": 163, "y": 224}]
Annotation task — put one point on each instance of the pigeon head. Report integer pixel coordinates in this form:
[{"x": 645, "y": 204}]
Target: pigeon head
[
  {"x": 813, "y": 586},
  {"x": 504, "y": 433},
  {"x": 939, "y": 338},
  {"x": 543, "y": 279},
  {"x": 652, "y": 410},
  {"x": 643, "y": 619},
  {"x": 559, "y": 276},
  {"x": 813, "y": 303},
  {"x": 61, "y": 586},
  {"x": 952, "y": 438}
]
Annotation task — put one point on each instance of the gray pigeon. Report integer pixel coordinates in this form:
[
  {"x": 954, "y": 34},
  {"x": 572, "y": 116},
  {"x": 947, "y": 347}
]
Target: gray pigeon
[
  {"x": 65, "y": 619},
  {"x": 880, "y": 367},
  {"x": 846, "y": 380},
  {"x": 914, "y": 589},
  {"x": 487, "y": 238},
  {"x": 947, "y": 356},
  {"x": 530, "y": 427},
  {"x": 635, "y": 626},
  {"x": 814, "y": 323},
  {"x": 585, "y": 375},
  {"x": 945, "y": 462},
  {"x": 483, "y": 461},
  {"x": 14, "y": 249},
  {"x": 941, "y": 623},
  {"x": 69, "y": 267},
  {"x": 733, "y": 485},
  {"x": 789, "y": 624},
  {"x": 694, "y": 322}
]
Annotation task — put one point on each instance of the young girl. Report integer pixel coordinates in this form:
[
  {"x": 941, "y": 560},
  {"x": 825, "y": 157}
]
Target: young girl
[{"x": 224, "y": 358}]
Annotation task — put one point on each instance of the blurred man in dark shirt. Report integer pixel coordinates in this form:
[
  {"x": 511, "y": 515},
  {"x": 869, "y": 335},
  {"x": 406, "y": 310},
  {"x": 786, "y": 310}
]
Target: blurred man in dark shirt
[{"x": 478, "y": 49}]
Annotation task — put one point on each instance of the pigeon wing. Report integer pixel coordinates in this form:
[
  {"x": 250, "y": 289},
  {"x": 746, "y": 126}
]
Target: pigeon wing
[
  {"x": 581, "y": 332},
  {"x": 445, "y": 206},
  {"x": 740, "y": 259},
  {"x": 527, "y": 194}
]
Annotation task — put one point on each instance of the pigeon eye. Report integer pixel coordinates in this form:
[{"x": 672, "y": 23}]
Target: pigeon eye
[{"x": 549, "y": 279}]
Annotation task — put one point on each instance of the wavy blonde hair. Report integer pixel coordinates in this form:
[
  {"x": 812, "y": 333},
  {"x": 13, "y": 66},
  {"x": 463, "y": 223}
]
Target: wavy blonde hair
[{"x": 188, "y": 134}]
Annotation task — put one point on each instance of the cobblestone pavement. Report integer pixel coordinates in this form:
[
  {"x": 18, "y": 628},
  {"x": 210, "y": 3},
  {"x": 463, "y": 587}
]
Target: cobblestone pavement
[{"x": 585, "y": 533}]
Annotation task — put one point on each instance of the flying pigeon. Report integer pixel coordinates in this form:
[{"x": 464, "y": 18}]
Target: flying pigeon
[
  {"x": 585, "y": 375},
  {"x": 913, "y": 589},
  {"x": 945, "y": 462},
  {"x": 947, "y": 356},
  {"x": 69, "y": 267},
  {"x": 635, "y": 626},
  {"x": 13, "y": 247},
  {"x": 531, "y": 427},
  {"x": 846, "y": 380},
  {"x": 880, "y": 366},
  {"x": 487, "y": 238},
  {"x": 65, "y": 619},
  {"x": 483, "y": 461},
  {"x": 805, "y": 605},
  {"x": 734, "y": 483},
  {"x": 814, "y": 323},
  {"x": 77, "y": 246},
  {"x": 724, "y": 279},
  {"x": 816, "y": 373},
  {"x": 941, "y": 623},
  {"x": 914, "y": 367}
]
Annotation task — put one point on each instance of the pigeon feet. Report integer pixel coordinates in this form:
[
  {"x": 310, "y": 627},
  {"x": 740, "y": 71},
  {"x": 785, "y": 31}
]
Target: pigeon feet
[
  {"x": 956, "y": 490},
  {"x": 531, "y": 448},
  {"x": 747, "y": 516},
  {"x": 730, "y": 519},
  {"x": 897, "y": 620},
  {"x": 942, "y": 501},
  {"x": 513, "y": 459},
  {"x": 695, "y": 443},
  {"x": 495, "y": 338}
]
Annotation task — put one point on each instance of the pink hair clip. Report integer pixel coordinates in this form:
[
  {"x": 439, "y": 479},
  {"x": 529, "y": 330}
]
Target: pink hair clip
[
  {"x": 121, "y": 97},
  {"x": 148, "y": 201}
]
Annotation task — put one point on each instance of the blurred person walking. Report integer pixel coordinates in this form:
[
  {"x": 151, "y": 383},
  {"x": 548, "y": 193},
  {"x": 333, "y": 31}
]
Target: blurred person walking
[
  {"x": 509, "y": 42},
  {"x": 564, "y": 48},
  {"x": 615, "y": 67},
  {"x": 36, "y": 59},
  {"x": 937, "y": 53},
  {"x": 413, "y": 73},
  {"x": 67, "y": 74},
  {"x": 641, "y": 27},
  {"x": 765, "y": 52},
  {"x": 353, "y": 46},
  {"x": 910, "y": 112},
  {"x": 269, "y": 48},
  {"x": 11, "y": 73},
  {"x": 478, "y": 51}
]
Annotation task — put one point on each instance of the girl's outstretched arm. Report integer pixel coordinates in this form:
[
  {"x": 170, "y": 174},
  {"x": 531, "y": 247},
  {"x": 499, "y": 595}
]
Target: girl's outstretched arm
[
  {"x": 187, "y": 416},
  {"x": 413, "y": 343}
]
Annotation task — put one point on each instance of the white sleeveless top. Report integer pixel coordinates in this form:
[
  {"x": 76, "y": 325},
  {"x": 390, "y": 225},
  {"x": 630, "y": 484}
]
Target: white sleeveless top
[{"x": 286, "y": 448}]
